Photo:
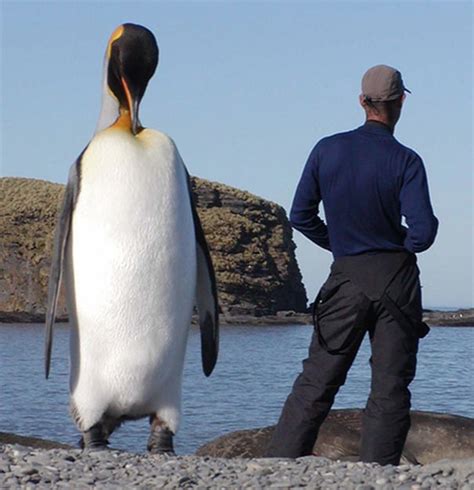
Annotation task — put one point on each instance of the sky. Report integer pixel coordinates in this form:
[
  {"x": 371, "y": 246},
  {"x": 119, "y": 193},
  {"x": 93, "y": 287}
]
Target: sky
[{"x": 246, "y": 89}]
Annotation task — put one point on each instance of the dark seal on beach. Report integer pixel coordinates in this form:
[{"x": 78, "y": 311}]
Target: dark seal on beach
[{"x": 432, "y": 437}]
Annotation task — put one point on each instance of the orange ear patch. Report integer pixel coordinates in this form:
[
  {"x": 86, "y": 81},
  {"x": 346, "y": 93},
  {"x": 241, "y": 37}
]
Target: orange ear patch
[{"x": 117, "y": 34}]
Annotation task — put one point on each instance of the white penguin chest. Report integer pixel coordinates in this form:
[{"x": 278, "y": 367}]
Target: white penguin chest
[
  {"x": 131, "y": 184},
  {"x": 132, "y": 232}
]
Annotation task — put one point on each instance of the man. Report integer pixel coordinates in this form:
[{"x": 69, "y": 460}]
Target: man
[{"x": 367, "y": 182}]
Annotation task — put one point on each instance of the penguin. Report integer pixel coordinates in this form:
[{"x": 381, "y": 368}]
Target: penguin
[{"x": 131, "y": 252}]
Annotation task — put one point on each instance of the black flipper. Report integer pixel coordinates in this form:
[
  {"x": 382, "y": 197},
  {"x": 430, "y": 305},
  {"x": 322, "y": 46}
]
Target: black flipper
[
  {"x": 206, "y": 295},
  {"x": 59, "y": 250}
]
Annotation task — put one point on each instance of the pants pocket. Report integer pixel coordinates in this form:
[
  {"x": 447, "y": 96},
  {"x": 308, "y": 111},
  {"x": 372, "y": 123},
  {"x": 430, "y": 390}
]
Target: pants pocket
[{"x": 338, "y": 315}]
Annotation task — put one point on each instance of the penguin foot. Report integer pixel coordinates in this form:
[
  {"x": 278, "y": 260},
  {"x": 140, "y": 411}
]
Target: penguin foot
[
  {"x": 94, "y": 438},
  {"x": 161, "y": 442},
  {"x": 161, "y": 438}
]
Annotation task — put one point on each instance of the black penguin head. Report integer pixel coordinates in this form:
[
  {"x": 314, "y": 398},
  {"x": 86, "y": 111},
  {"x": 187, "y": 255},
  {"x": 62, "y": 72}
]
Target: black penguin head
[{"x": 132, "y": 60}]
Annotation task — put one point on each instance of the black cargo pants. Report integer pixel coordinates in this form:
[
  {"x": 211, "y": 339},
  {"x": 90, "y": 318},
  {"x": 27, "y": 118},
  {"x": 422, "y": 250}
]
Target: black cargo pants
[{"x": 355, "y": 299}]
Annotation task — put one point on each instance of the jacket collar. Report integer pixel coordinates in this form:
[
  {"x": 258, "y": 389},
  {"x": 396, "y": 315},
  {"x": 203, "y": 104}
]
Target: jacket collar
[{"x": 377, "y": 127}]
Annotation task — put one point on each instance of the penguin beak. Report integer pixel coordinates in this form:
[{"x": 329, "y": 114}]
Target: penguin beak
[{"x": 133, "y": 105}]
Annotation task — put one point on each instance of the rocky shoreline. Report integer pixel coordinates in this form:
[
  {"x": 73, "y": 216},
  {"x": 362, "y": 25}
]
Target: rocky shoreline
[
  {"x": 22, "y": 467},
  {"x": 434, "y": 318}
]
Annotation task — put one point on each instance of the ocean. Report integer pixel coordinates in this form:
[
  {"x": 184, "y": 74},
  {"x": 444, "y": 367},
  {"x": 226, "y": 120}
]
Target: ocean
[{"x": 256, "y": 368}]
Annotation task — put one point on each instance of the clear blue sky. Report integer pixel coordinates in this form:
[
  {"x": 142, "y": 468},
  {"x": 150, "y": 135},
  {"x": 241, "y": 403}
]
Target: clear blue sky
[{"x": 247, "y": 88}]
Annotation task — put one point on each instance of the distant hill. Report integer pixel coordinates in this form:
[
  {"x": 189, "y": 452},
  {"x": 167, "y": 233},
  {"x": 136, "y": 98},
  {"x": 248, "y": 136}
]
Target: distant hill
[{"x": 250, "y": 241}]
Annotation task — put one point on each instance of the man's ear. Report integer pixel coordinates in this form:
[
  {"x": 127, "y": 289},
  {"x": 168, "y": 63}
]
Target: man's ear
[{"x": 362, "y": 101}]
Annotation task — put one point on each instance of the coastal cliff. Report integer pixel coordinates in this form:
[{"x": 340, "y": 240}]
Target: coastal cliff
[{"x": 250, "y": 241}]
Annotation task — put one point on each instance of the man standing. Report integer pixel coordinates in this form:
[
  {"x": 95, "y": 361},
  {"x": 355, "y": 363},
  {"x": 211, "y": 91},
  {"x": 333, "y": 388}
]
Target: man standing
[{"x": 367, "y": 182}]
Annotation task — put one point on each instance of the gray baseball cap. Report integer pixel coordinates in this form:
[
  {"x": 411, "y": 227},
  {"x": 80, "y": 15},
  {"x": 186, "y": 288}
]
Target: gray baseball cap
[{"x": 381, "y": 83}]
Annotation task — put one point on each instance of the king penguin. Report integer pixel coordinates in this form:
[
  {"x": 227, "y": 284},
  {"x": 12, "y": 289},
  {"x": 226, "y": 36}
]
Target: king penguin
[{"x": 135, "y": 262}]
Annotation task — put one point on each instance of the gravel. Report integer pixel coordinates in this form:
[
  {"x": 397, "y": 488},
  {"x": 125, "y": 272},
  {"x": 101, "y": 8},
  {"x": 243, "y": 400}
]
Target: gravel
[{"x": 22, "y": 467}]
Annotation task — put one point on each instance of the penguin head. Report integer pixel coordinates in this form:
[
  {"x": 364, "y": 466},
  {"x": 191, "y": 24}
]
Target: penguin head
[{"x": 132, "y": 55}]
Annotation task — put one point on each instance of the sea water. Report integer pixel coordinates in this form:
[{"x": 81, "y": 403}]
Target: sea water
[{"x": 255, "y": 371}]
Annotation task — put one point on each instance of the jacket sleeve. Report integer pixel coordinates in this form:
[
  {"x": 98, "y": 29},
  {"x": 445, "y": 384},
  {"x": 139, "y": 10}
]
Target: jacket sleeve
[
  {"x": 415, "y": 206},
  {"x": 304, "y": 214}
]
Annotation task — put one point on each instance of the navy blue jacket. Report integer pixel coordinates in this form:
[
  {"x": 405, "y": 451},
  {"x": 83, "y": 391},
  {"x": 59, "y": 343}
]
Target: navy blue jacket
[{"x": 367, "y": 181}]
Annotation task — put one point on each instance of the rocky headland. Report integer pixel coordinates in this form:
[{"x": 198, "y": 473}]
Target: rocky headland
[{"x": 250, "y": 241}]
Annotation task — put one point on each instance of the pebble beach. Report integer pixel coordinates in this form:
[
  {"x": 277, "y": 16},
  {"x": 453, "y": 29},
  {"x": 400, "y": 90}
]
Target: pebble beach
[{"x": 22, "y": 467}]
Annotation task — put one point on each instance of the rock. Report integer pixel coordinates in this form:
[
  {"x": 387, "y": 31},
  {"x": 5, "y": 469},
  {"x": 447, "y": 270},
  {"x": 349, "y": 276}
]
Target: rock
[
  {"x": 458, "y": 318},
  {"x": 462, "y": 469},
  {"x": 250, "y": 241},
  {"x": 152, "y": 471},
  {"x": 252, "y": 249},
  {"x": 35, "y": 442},
  {"x": 27, "y": 219},
  {"x": 432, "y": 437}
]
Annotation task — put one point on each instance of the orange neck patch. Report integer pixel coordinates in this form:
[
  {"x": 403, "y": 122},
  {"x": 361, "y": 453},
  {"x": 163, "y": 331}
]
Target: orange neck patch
[{"x": 124, "y": 121}]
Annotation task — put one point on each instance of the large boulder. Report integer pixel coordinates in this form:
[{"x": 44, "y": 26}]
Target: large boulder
[
  {"x": 250, "y": 241},
  {"x": 432, "y": 437}
]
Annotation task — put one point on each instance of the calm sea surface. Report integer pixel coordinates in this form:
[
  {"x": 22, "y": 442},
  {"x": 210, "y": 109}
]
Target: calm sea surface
[{"x": 253, "y": 376}]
